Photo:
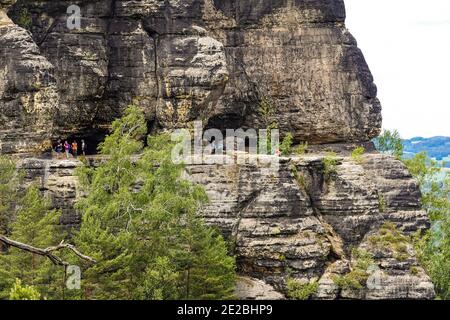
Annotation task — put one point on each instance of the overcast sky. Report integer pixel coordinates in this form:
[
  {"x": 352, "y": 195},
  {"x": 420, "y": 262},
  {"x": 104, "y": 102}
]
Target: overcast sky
[{"x": 407, "y": 46}]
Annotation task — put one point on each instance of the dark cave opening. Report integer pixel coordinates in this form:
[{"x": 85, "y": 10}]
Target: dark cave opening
[{"x": 92, "y": 139}]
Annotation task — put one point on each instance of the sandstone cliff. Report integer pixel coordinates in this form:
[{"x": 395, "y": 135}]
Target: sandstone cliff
[
  {"x": 297, "y": 222},
  {"x": 216, "y": 61},
  {"x": 213, "y": 60}
]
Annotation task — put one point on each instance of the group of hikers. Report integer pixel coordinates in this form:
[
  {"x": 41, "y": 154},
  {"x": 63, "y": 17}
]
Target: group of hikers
[{"x": 70, "y": 149}]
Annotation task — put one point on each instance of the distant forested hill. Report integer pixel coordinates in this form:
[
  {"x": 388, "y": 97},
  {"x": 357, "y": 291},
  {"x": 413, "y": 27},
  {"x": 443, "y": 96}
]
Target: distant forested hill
[{"x": 436, "y": 147}]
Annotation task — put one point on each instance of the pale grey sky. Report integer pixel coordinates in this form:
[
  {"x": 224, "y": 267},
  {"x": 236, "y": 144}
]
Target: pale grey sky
[{"x": 407, "y": 46}]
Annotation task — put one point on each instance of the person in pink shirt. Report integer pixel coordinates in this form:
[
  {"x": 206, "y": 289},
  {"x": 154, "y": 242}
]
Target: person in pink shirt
[{"x": 67, "y": 149}]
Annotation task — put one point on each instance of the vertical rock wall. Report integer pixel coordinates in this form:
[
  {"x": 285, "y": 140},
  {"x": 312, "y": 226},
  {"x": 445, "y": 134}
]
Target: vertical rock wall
[
  {"x": 215, "y": 61},
  {"x": 295, "y": 222}
]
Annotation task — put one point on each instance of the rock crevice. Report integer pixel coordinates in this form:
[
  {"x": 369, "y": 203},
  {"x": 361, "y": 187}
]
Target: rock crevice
[
  {"x": 219, "y": 62},
  {"x": 211, "y": 60},
  {"x": 282, "y": 225}
]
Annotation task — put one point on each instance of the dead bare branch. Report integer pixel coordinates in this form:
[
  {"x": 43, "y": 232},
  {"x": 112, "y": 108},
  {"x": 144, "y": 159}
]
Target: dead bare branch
[{"x": 47, "y": 252}]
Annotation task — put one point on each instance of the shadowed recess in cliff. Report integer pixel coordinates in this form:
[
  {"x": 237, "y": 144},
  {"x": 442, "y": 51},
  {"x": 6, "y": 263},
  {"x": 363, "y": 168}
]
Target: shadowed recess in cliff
[
  {"x": 248, "y": 13},
  {"x": 182, "y": 61}
]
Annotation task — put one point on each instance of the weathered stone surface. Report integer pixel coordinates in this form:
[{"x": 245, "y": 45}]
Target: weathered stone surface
[
  {"x": 300, "y": 57},
  {"x": 254, "y": 289},
  {"x": 294, "y": 221},
  {"x": 269, "y": 219},
  {"x": 28, "y": 93},
  {"x": 57, "y": 180},
  {"x": 207, "y": 60},
  {"x": 398, "y": 274},
  {"x": 6, "y": 3},
  {"x": 217, "y": 61}
]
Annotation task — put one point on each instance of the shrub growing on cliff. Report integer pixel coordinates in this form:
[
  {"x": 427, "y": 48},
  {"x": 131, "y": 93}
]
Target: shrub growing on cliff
[
  {"x": 301, "y": 148},
  {"x": 140, "y": 223},
  {"x": 298, "y": 290},
  {"x": 390, "y": 238},
  {"x": 390, "y": 142},
  {"x": 329, "y": 163},
  {"x": 359, "y": 273},
  {"x": 300, "y": 178},
  {"x": 357, "y": 155},
  {"x": 267, "y": 112},
  {"x": 24, "y": 19},
  {"x": 433, "y": 246},
  {"x": 286, "y": 144}
]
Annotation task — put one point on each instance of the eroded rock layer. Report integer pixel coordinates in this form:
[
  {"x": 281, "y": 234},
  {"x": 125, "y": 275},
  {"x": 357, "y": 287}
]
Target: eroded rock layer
[
  {"x": 296, "y": 222},
  {"x": 230, "y": 63},
  {"x": 181, "y": 61}
]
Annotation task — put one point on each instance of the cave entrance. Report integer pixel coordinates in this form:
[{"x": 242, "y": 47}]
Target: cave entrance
[{"x": 92, "y": 139}]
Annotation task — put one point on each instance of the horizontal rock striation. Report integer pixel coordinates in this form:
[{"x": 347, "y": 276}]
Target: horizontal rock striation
[
  {"x": 208, "y": 60},
  {"x": 28, "y": 92},
  {"x": 290, "y": 64},
  {"x": 295, "y": 222}
]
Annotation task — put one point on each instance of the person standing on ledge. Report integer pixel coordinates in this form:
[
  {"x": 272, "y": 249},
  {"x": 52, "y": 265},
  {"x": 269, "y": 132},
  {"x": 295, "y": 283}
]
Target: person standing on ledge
[
  {"x": 59, "y": 148},
  {"x": 67, "y": 149},
  {"x": 83, "y": 147},
  {"x": 75, "y": 149}
]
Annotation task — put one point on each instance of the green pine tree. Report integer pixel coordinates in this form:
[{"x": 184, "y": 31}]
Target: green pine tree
[
  {"x": 205, "y": 264},
  {"x": 136, "y": 218},
  {"x": 390, "y": 142},
  {"x": 20, "y": 292},
  {"x": 34, "y": 225},
  {"x": 433, "y": 247},
  {"x": 9, "y": 184}
]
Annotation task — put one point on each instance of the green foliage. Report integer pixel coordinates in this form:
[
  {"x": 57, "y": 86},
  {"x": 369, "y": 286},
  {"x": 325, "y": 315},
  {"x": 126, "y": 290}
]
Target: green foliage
[
  {"x": 35, "y": 225},
  {"x": 434, "y": 183},
  {"x": 357, "y": 155},
  {"x": 26, "y": 218},
  {"x": 161, "y": 280},
  {"x": 24, "y": 19},
  {"x": 286, "y": 144},
  {"x": 298, "y": 290},
  {"x": 20, "y": 292},
  {"x": 433, "y": 247},
  {"x": 357, "y": 277},
  {"x": 381, "y": 203},
  {"x": 299, "y": 177},
  {"x": 329, "y": 163},
  {"x": 208, "y": 273},
  {"x": 267, "y": 112},
  {"x": 389, "y": 237},
  {"x": 390, "y": 142},
  {"x": 140, "y": 223},
  {"x": 9, "y": 184},
  {"x": 354, "y": 280},
  {"x": 301, "y": 148},
  {"x": 275, "y": 231},
  {"x": 414, "y": 270}
]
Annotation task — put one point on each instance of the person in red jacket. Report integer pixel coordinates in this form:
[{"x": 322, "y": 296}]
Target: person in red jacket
[{"x": 75, "y": 149}]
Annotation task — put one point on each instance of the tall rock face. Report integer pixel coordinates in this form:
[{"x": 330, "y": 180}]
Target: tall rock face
[
  {"x": 299, "y": 56},
  {"x": 28, "y": 93},
  {"x": 230, "y": 63},
  {"x": 210, "y": 60},
  {"x": 296, "y": 223}
]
